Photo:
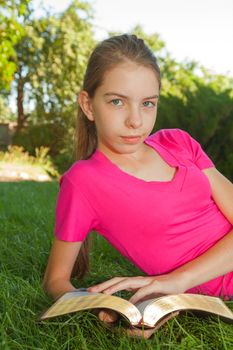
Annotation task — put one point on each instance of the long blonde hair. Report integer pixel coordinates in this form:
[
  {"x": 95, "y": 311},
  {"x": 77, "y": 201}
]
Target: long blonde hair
[{"x": 106, "y": 55}]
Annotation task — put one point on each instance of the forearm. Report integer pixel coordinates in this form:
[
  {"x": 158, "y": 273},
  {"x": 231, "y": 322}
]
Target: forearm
[
  {"x": 216, "y": 261},
  {"x": 57, "y": 288}
]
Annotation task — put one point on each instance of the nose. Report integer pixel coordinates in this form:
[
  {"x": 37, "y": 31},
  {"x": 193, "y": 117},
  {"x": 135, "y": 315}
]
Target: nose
[{"x": 134, "y": 118}]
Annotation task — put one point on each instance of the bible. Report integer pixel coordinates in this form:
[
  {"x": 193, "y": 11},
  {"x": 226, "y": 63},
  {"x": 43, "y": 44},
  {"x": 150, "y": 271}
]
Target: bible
[{"x": 149, "y": 314}]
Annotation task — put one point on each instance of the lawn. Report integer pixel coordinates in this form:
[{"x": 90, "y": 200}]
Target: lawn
[{"x": 26, "y": 232}]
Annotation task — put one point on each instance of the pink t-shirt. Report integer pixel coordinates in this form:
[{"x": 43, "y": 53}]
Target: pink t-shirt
[{"x": 157, "y": 225}]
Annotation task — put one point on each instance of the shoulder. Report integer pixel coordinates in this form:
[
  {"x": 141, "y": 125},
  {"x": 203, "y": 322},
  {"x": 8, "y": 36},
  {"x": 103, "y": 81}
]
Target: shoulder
[
  {"x": 79, "y": 173},
  {"x": 183, "y": 146},
  {"x": 172, "y": 138},
  {"x": 170, "y": 134}
]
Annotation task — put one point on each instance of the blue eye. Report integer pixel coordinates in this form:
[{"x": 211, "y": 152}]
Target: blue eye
[
  {"x": 114, "y": 102},
  {"x": 146, "y": 104}
]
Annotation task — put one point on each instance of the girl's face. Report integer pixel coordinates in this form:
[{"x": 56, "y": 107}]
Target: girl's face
[{"x": 125, "y": 105}]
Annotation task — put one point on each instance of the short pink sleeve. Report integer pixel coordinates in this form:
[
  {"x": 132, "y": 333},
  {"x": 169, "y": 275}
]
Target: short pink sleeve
[
  {"x": 198, "y": 156},
  {"x": 74, "y": 217}
]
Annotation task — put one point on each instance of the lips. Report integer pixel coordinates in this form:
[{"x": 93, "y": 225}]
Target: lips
[
  {"x": 131, "y": 139},
  {"x": 131, "y": 136}
]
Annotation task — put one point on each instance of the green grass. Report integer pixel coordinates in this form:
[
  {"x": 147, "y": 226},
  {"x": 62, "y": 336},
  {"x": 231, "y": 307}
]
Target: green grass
[{"x": 26, "y": 231}]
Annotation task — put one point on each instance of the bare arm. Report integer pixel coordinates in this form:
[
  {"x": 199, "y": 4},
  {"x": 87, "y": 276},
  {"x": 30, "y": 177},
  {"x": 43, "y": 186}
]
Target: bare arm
[
  {"x": 56, "y": 280},
  {"x": 60, "y": 264}
]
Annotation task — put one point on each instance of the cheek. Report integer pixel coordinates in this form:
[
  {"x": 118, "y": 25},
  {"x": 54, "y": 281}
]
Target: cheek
[
  {"x": 150, "y": 117},
  {"x": 105, "y": 125}
]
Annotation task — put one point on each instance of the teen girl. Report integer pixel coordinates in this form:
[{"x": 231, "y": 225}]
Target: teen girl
[{"x": 157, "y": 198}]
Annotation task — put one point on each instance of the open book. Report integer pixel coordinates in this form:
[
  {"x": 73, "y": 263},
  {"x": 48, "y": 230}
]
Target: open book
[{"x": 150, "y": 314}]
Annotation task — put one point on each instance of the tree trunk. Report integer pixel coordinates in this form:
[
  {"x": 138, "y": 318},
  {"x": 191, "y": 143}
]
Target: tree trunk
[{"x": 20, "y": 96}]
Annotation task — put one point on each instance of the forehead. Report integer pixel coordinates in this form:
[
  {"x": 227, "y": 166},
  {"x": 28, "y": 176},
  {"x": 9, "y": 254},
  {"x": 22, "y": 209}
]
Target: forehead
[{"x": 130, "y": 76}]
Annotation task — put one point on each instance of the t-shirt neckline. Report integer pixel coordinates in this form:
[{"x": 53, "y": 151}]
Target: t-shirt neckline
[{"x": 175, "y": 182}]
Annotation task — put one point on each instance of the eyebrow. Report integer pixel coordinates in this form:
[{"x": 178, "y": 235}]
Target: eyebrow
[{"x": 117, "y": 94}]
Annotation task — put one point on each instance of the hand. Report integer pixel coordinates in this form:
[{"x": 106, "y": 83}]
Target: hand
[
  {"x": 107, "y": 316},
  {"x": 146, "y": 287}
]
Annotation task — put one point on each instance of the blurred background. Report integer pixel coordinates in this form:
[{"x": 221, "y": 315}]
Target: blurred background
[{"x": 44, "y": 47}]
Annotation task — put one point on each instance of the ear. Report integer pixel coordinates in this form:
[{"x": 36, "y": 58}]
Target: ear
[{"x": 86, "y": 104}]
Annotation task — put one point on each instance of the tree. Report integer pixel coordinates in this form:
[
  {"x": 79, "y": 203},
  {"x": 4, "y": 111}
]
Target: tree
[
  {"x": 11, "y": 32},
  {"x": 51, "y": 63},
  {"x": 52, "y": 59}
]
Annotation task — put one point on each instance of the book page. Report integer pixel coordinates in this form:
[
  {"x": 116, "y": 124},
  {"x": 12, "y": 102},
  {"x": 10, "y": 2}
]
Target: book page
[
  {"x": 159, "y": 308},
  {"x": 78, "y": 292},
  {"x": 142, "y": 305},
  {"x": 78, "y": 301}
]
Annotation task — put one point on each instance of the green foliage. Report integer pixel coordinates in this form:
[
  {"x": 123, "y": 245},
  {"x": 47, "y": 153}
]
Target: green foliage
[
  {"x": 17, "y": 155},
  {"x": 11, "y": 32},
  {"x": 44, "y": 160},
  {"x": 51, "y": 62},
  {"x": 57, "y": 137},
  {"x": 43, "y": 134},
  {"x": 52, "y": 59},
  {"x": 5, "y": 113}
]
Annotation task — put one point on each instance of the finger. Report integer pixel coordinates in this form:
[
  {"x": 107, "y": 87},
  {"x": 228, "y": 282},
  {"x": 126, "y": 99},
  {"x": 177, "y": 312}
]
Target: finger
[
  {"x": 104, "y": 285},
  {"x": 140, "y": 333},
  {"x": 126, "y": 284},
  {"x": 145, "y": 293}
]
